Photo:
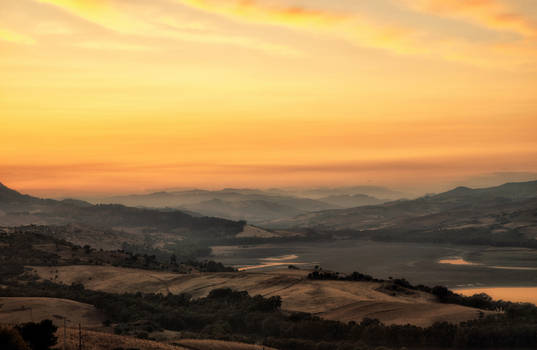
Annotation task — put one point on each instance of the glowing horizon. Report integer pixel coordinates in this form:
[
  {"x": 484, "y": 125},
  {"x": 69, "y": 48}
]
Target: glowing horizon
[{"x": 121, "y": 96}]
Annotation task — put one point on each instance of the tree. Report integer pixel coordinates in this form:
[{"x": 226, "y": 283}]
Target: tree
[
  {"x": 40, "y": 336},
  {"x": 173, "y": 260},
  {"x": 441, "y": 292},
  {"x": 10, "y": 339}
]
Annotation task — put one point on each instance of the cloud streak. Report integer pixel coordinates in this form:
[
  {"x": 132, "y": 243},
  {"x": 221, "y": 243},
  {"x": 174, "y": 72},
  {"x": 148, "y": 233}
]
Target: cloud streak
[
  {"x": 365, "y": 31},
  {"x": 492, "y": 14},
  {"x": 118, "y": 18},
  {"x": 14, "y": 37},
  {"x": 360, "y": 29}
]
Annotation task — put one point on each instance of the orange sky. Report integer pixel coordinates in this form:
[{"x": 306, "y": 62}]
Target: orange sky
[{"x": 122, "y": 96}]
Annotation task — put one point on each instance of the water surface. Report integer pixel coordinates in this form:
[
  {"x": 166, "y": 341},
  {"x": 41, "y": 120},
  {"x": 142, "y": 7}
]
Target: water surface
[
  {"x": 429, "y": 264},
  {"x": 516, "y": 294}
]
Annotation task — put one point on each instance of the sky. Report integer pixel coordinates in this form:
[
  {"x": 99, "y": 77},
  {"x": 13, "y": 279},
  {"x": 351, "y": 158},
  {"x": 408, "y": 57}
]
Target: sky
[{"x": 117, "y": 96}]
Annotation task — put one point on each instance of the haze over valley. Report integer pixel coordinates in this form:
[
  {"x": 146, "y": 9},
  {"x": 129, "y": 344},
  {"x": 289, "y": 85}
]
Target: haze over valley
[
  {"x": 268, "y": 174},
  {"x": 465, "y": 239}
]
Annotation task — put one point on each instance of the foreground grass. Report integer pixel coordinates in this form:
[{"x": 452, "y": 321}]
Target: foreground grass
[{"x": 92, "y": 340}]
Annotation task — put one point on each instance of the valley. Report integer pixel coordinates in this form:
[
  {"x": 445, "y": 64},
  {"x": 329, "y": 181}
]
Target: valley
[
  {"x": 417, "y": 262},
  {"x": 125, "y": 270},
  {"x": 268, "y": 175}
]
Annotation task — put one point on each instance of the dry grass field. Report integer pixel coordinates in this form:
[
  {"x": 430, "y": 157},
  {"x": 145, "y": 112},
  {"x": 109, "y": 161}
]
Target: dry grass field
[
  {"x": 337, "y": 300},
  {"x": 200, "y": 344},
  {"x": 70, "y": 338},
  {"x": 21, "y": 310},
  {"x": 254, "y": 231},
  {"x": 177, "y": 338},
  {"x": 92, "y": 340},
  {"x": 92, "y": 334}
]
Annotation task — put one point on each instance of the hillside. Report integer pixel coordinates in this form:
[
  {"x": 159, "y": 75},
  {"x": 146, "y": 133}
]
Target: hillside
[
  {"x": 47, "y": 246},
  {"x": 100, "y": 340},
  {"x": 276, "y": 308},
  {"x": 336, "y": 300},
  {"x": 18, "y": 209},
  {"x": 236, "y": 204},
  {"x": 497, "y": 215},
  {"x": 252, "y": 205},
  {"x": 323, "y": 192},
  {"x": 350, "y": 201},
  {"x": 21, "y": 310},
  {"x": 94, "y": 340}
]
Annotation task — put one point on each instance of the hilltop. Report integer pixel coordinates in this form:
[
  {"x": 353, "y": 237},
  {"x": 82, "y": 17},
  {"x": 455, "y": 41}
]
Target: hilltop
[
  {"x": 501, "y": 215},
  {"x": 336, "y": 300},
  {"x": 252, "y": 205},
  {"x": 20, "y": 209},
  {"x": 114, "y": 226}
]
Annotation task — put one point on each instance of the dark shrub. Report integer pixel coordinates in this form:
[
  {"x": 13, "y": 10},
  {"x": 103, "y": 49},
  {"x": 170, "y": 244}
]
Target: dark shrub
[
  {"x": 10, "y": 339},
  {"x": 40, "y": 336}
]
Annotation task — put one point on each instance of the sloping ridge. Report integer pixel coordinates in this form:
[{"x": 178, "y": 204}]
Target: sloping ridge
[
  {"x": 48, "y": 211},
  {"x": 391, "y": 213},
  {"x": 510, "y": 190},
  {"x": 337, "y": 300},
  {"x": 7, "y": 195}
]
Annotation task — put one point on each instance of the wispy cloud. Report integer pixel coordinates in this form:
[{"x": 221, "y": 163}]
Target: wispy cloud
[
  {"x": 111, "y": 46},
  {"x": 354, "y": 27},
  {"x": 203, "y": 33},
  {"x": 365, "y": 31},
  {"x": 117, "y": 17},
  {"x": 493, "y": 14},
  {"x": 104, "y": 13},
  {"x": 360, "y": 29},
  {"x": 14, "y": 37}
]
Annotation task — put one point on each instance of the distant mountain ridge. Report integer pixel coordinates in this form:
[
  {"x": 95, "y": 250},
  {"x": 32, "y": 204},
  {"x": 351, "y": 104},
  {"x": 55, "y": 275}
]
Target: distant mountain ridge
[
  {"x": 500, "y": 215},
  {"x": 510, "y": 190},
  {"x": 354, "y": 200},
  {"x": 19, "y": 209},
  {"x": 504, "y": 213},
  {"x": 252, "y": 205},
  {"x": 322, "y": 192},
  {"x": 7, "y": 195}
]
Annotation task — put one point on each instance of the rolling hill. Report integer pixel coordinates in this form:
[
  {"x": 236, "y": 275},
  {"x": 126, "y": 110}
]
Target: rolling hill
[
  {"x": 21, "y": 310},
  {"x": 19, "y": 209},
  {"x": 323, "y": 192},
  {"x": 336, "y": 300},
  {"x": 504, "y": 214},
  {"x": 351, "y": 200},
  {"x": 252, "y": 205},
  {"x": 236, "y": 204}
]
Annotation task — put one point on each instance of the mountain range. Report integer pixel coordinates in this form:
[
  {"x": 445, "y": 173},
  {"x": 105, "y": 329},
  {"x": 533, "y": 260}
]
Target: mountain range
[
  {"x": 504, "y": 214},
  {"x": 500, "y": 215},
  {"x": 112, "y": 223},
  {"x": 253, "y": 205}
]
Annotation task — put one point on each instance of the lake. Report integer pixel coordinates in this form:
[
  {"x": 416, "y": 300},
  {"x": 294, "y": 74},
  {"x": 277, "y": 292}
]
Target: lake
[
  {"x": 517, "y": 294},
  {"x": 457, "y": 267}
]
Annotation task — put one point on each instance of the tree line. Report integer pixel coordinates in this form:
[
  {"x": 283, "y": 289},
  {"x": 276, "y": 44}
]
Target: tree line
[
  {"x": 443, "y": 294},
  {"x": 232, "y": 315}
]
